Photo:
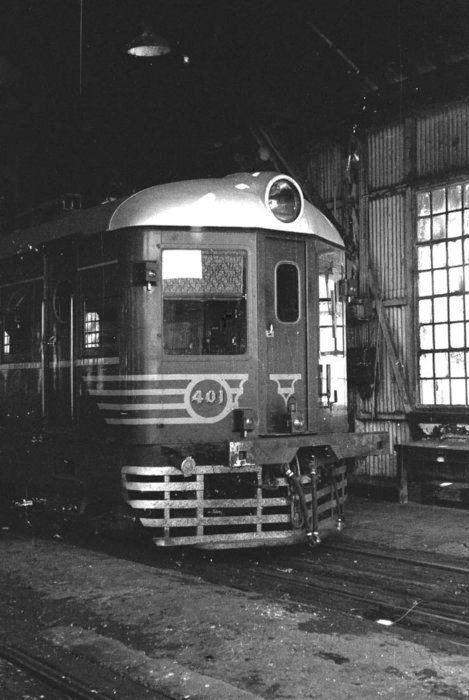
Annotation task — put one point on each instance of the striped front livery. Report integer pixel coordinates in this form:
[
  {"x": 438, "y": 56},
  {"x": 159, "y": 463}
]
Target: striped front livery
[{"x": 166, "y": 399}]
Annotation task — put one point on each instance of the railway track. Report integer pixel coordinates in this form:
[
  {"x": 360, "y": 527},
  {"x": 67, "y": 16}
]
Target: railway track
[
  {"x": 64, "y": 675},
  {"x": 385, "y": 587},
  {"x": 364, "y": 580}
]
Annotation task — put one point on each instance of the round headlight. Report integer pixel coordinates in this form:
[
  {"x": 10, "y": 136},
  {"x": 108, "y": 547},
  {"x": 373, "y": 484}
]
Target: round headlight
[{"x": 284, "y": 200}]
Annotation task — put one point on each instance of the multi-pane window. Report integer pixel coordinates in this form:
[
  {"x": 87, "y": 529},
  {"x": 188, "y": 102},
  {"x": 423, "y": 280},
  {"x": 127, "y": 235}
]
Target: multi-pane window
[
  {"x": 98, "y": 290},
  {"x": 92, "y": 329},
  {"x": 6, "y": 343},
  {"x": 443, "y": 291}
]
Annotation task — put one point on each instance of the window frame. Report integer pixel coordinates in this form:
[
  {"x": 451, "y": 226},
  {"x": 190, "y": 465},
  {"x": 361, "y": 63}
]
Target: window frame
[
  {"x": 294, "y": 265},
  {"x": 32, "y": 287},
  {"x": 220, "y": 249},
  {"x": 441, "y": 227},
  {"x": 96, "y": 305}
]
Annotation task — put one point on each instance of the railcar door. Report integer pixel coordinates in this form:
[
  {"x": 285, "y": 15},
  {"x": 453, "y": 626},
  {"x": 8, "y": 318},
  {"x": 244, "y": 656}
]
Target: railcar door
[
  {"x": 332, "y": 415},
  {"x": 301, "y": 336},
  {"x": 287, "y": 383}
]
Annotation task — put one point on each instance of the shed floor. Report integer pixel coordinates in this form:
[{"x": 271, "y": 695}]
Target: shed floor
[
  {"x": 180, "y": 634},
  {"x": 411, "y": 526}
]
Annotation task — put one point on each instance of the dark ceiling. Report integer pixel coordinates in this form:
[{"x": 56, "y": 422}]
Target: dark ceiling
[{"x": 77, "y": 114}]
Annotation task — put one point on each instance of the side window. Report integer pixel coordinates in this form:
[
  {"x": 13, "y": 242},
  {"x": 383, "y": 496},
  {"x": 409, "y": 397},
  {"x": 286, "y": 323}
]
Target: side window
[
  {"x": 287, "y": 292},
  {"x": 20, "y": 317},
  {"x": 99, "y": 310},
  {"x": 92, "y": 330}
]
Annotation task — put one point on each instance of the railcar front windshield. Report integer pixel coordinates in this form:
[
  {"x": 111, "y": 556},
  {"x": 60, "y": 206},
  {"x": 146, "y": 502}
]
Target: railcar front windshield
[{"x": 204, "y": 302}]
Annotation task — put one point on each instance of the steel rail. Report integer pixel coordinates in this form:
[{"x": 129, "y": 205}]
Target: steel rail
[
  {"x": 396, "y": 557},
  {"x": 340, "y": 592},
  {"x": 51, "y": 676},
  {"x": 67, "y": 683},
  {"x": 317, "y": 568}
]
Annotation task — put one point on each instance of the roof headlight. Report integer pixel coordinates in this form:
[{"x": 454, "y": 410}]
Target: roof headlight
[{"x": 285, "y": 200}]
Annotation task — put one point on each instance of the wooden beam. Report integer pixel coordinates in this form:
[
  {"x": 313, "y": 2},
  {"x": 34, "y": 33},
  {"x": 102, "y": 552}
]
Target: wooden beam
[{"x": 396, "y": 364}]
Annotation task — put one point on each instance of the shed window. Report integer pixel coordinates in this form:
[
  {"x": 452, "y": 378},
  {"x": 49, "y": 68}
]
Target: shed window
[{"x": 443, "y": 294}]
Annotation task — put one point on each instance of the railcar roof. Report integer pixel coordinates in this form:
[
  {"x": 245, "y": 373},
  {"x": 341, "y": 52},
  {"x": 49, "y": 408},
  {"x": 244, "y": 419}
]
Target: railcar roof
[{"x": 235, "y": 201}]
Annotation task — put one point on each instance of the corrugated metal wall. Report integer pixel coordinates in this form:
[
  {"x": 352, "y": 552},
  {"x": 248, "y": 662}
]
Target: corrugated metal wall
[
  {"x": 386, "y": 244},
  {"x": 383, "y": 466},
  {"x": 386, "y": 157},
  {"x": 442, "y": 140},
  {"x": 326, "y": 170},
  {"x": 396, "y": 159}
]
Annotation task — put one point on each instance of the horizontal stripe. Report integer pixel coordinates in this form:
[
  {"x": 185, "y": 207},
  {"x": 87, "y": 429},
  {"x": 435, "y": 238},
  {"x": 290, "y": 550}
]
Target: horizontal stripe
[
  {"x": 136, "y": 392},
  {"x": 86, "y": 362},
  {"x": 20, "y": 365},
  {"x": 162, "y": 421},
  {"x": 141, "y": 406},
  {"x": 166, "y": 377}
]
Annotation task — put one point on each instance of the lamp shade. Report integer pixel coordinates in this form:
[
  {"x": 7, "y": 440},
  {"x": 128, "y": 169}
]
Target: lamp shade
[{"x": 148, "y": 45}]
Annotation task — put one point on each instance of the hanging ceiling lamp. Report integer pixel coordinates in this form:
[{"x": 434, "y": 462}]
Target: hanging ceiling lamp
[{"x": 148, "y": 45}]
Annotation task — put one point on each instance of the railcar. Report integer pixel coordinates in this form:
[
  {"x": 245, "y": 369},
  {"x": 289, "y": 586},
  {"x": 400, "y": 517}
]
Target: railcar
[{"x": 183, "y": 347}]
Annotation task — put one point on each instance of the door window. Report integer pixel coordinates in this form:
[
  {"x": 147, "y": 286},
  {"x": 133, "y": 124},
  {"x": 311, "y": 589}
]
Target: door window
[{"x": 287, "y": 292}]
